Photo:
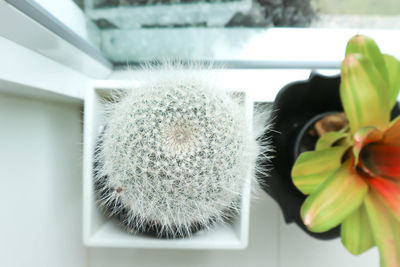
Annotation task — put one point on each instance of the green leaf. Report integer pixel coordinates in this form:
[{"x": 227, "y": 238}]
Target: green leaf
[
  {"x": 363, "y": 137},
  {"x": 328, "y": 139},
  {"x": 333, "y": 200},
  {"x": 307, "y": 183},
  {"x": 385, "y": 229},
  {"x": 393, "y": 70},
  {"x": 313, "y": 167},
  {"x": 361, "y": 44},
  {"x": 356, "y": 232},
  {"x": 363, "y": 94}
]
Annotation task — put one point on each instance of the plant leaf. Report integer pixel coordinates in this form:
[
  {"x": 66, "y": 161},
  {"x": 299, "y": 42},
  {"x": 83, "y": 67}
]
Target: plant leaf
[
  {"x": 332, "y": 201},
  {"x": 363, "y": 94},
  {"x": 356, "y": 232},
  {"x": 328, "y": 139},
  {"x": 366, "y": 46},
  {"x": 393, "y": 70},
  {"x": 363, "y": 137},
  {"x": 307, "y": 183},
  {"x": 381, "y": 160},
  {"x": 389, "y": 192},
  {"x": 392, "y": 134},
  {"x": 313, "y": 167},
  {"x": 385, "y": 229}
]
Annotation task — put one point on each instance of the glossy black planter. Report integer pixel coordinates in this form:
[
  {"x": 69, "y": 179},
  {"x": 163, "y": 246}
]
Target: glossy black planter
[{"x": 294, "y": 106}]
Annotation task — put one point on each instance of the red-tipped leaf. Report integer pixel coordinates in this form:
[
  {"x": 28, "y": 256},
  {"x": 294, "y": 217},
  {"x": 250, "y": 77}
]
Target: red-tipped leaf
[
  {"x": 363, "y": 137},
  {"x": 389, "y": 192},
  {"x": 392, "y": 134},
  {"x": 363, "y": 94},
  {"x": 385, "y": 229},
  {"x": 366, "y": 46},
  {"x": 381, "y": 160}
]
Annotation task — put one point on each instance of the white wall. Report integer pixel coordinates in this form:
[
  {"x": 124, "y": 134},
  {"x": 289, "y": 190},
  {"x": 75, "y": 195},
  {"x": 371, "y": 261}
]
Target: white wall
[
  {"x": 73, "y": 17},
  {"x": 40, "y": 183}
]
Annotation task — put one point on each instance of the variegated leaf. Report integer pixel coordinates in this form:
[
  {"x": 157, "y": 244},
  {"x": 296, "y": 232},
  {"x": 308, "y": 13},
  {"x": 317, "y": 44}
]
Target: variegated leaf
[
  {"x": 393, "y": 70},
  {"x": 366, "y": 46},
  {"x": 356, "y": 233},
  {"x": 313, "y": 167},
  {"x": 335, "y": 199},
  {"x": 385, "y": 229},
  {"x": 363, "y": 94},
  {"x": 328, "y": 139}
]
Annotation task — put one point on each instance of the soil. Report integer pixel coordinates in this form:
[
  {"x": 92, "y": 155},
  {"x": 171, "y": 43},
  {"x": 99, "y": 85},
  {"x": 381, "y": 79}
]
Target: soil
[{"x": 330, "y": 123}]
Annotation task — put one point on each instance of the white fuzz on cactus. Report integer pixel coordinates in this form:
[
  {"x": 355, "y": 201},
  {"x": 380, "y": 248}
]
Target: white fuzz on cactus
[{"x": 174, "y": 155}]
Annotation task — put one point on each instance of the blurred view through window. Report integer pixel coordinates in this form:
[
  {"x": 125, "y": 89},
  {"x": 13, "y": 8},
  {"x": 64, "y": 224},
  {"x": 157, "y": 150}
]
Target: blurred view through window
[{"x": 128, "y": 26}]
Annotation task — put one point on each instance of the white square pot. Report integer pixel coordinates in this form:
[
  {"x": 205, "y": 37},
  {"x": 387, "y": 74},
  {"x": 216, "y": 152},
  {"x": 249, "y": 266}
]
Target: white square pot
[{"x": 101, "y": 231}]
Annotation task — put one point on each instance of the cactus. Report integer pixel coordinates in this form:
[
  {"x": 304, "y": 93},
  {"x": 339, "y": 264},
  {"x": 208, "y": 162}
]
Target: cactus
[{"x": 174, "y": 156}]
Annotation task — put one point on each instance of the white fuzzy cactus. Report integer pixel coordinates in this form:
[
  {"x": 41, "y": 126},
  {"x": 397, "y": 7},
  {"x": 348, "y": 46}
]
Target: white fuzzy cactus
[{"x": 174, "y": 155}]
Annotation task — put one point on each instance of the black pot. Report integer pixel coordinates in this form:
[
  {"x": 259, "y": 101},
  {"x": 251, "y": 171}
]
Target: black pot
[{"x": 295, "y": 105}]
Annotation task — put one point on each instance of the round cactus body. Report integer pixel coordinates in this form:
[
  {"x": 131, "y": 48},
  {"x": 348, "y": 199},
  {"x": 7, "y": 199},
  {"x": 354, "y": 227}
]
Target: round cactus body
[{"x": 174, "y": 157}]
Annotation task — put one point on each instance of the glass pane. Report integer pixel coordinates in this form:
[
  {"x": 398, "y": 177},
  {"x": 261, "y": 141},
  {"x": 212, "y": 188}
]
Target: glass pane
[
  {"x": 137, "y": 30},
  {"x": 380, "y": 14}
]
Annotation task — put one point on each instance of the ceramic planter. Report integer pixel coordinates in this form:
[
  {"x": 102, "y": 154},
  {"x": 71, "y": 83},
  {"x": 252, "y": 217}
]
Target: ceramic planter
[{"x": 102, "y": 231}]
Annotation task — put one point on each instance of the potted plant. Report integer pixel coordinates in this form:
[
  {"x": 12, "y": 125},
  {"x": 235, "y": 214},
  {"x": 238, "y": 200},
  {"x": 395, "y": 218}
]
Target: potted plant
[
  {"x": 337, "y": 173},
  {"x": 156, "y": 152},
  {"x": 352, "y": 176}
]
